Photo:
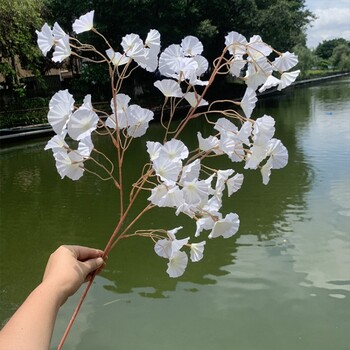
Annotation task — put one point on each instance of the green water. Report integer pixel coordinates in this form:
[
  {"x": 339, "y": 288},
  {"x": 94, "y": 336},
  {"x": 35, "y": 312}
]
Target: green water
[{"x": 283, "y": 282}]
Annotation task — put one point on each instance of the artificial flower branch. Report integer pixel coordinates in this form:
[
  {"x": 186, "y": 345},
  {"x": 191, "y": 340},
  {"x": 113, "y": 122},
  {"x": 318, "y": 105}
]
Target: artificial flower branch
[{"x": 175, "y": 176}]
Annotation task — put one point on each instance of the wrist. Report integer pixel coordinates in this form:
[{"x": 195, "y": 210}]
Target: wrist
[{"x": 53, "y": 291}]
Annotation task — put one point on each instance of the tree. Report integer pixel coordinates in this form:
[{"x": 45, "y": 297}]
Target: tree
[
  {"x": 341, "y": 57},
  {"x": 18, "y": 21},
  {"x": 306, "y": 58},
  {"x": 282, "y": 22},
  {"x": 325, "y": 49}
]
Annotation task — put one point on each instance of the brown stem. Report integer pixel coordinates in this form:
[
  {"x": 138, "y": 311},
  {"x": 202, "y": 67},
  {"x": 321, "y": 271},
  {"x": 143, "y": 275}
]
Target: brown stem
[
  {"x": 75, "y": 313},
  {"x": 211, "y": 79}
]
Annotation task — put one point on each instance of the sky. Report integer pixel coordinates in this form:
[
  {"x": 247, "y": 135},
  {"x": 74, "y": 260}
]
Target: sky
[{"x": 333, "y": 21}]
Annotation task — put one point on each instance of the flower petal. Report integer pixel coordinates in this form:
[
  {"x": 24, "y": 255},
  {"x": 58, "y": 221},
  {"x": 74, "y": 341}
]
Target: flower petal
[
  {"x": 177, "y": 264},
  {"x": 197, "y": 251},
  {"x": 84, "y": 23},
  {"x": 45, "y": 39},
  {"x": 226, "y": 227}
]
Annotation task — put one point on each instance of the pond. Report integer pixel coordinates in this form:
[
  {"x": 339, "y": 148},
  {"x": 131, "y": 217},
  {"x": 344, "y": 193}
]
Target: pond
[{"x": 283, "y": 282}]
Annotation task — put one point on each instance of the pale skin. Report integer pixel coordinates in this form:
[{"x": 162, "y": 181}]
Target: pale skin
[{"x": 31, "y": 326}]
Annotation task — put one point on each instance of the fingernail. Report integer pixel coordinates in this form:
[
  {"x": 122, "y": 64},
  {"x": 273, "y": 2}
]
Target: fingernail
[{"x": 99, "y": 261}]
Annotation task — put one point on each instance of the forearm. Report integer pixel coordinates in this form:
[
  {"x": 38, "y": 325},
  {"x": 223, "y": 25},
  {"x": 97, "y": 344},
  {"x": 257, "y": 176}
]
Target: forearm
[{"x": 31, "y": 327}]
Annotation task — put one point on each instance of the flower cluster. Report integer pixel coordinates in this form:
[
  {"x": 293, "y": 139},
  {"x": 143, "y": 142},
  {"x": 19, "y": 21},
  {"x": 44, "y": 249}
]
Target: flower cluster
[
  {"x": 176, "y": 177},
  {"x": 78, "y": 125},
  {"x": 169, "y": 248}
]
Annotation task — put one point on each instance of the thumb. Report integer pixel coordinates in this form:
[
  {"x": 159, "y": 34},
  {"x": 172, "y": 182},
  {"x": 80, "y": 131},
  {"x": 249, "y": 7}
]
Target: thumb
[{"x": 93, "y": 264}]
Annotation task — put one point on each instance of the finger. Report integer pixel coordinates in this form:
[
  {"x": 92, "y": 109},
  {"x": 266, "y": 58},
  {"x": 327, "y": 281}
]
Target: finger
[
  {"x": 92, "y": 264},
  {"x": 85, "y": 253}
]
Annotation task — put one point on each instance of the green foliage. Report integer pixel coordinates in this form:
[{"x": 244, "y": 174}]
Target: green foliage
[
  {"x": 18, "y": 21},
  {"x": 93, "y": 78},
  {"x": 282, "y": 22},
  {"x": 306, "y": 58},
  {"x": 323, "y": 64},
  {"x": 325, "y": 49},
  {"x": 206, "y": 29},
  {"x": 341, "y": 57},
  {"x": 24, "y": 112},
  {"x": 319, "y": 73}
]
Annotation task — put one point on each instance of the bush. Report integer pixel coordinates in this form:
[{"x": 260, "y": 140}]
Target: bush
[{"x": 23, "y": 112}]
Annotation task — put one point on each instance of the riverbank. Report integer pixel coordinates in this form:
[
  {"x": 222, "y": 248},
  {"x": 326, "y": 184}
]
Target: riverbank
[{"x": 27, "y": 132}]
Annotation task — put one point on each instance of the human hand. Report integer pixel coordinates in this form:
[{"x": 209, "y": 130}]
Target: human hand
[{"x": 69, "y": 266}]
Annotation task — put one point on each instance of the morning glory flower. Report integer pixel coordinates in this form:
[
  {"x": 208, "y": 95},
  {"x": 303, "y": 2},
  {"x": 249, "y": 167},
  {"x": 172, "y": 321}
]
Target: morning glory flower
[
  {"x": 192, "y": 98},
  {"x": 223, "y": 125},
  {"x": 58, "y": 32},
  {"x": 202, "y": 64},
  {"x": 133, "y": 46},
  {"x": 208, "y": 144},
  {"x": 204, "y": 223},
  {"x": 236, "y": 43},
  {"x": 173, "y": 198},
  {"x": 248, "y": 102},
  {"x": 149, "y": 60},
  {"x": 61, "y": 107},
  {"x": 45, "y": 39},
  {"x": 57, "y": 143},
  {"x": 177, "y": 264},
  {"x": 84, "y": 23},
  {"x": 168, "y": 170},
  {"x": 234, "y": 183},
  {"x": 169, "y": 60},
  {"x": 87, "y": 104},
  {"x": 256, "y": 48},
  {"x": 153, "y": 40},
  {"x": 153, "y": 149},
  {"x": 85, "y": 147},
  {"x": 278, "y": 159},
  {"x": 138, "y": 119},
  {"x": 62, "y": 49},
  {"x": 122, "y": 104},
  {"x": 270, "y": 82},
  {"x": 117, "y": 58},
  {"x": 165, "y": 248},
  {"x": 257, "y": 154},
  {"x": 195, "y": 191},
  {"x": 257, "y": 72},
  {"x": 69, "y": 164},
  {"x": 236, "y": 66},
  {"x": 214, "y": 205},
  {"x": 82, "y": 123},
  {"x": 232, "y": 146},
  {"x": 278, "y": 153},
  {"x": 225, "y": 227},
  {"x": 186, "y": 69},
  {"x": 263, "y": 130},
  {"x": 245, "y": 132},
  {"x": 191, "y": 46},
  {"x": 222, "y": 176},
  {"x": 197, "y": 251},
  {"x": 190, "y": 172},
  {"x": 183, "y": 62},
  {"x": 285, "y": 62},
  {"x": 266, "y": 171},
  {"x": 169, "y": 88},
  {"x": 174, "y": 150},
  {"x": 287, "y": 79}
]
